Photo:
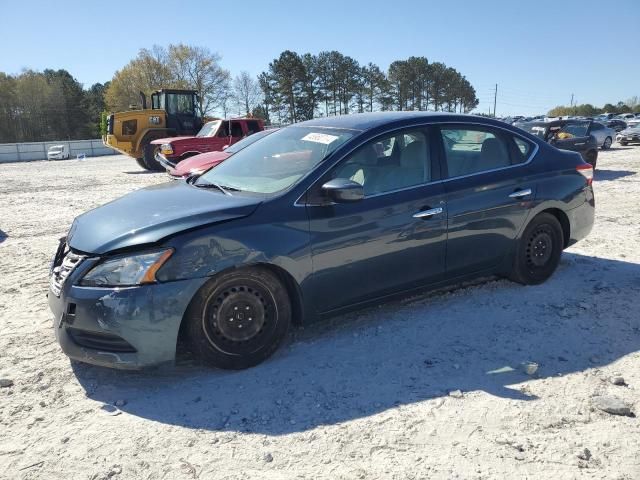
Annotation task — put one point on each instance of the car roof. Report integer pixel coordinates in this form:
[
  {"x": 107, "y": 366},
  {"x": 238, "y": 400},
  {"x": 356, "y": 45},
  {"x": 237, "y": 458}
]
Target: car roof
[{"x": 368, "y": 121}]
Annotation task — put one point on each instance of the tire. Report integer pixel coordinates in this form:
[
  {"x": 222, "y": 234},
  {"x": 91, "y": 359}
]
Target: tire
[
  {"x": 592, "y": 158},
  {"x": 141, "y": 163},
  {"x": 624, "y": 144},
  {"x": 607, "y": 143},
  {"x": 538, "y": 252},
  {"x": 149, "y": 151},
  {"x": 238, "y": 319}
]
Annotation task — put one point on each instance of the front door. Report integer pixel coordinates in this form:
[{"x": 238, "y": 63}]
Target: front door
[
  {"x": 391, "y": 240},
  {"x": 488, "y": 194}
]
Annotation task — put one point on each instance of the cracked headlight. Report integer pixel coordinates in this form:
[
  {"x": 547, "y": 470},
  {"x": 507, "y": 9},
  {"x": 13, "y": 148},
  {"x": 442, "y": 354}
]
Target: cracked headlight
[{"x": 127, "y": 270}]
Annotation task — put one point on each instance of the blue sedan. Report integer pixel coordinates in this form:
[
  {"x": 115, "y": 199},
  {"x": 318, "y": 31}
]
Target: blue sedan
[{"x": 318, "y": 218}]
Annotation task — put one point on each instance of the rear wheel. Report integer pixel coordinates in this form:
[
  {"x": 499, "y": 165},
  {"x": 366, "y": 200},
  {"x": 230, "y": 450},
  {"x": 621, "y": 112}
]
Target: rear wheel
[
  {"x": 239, "y": 319},
  {"x": 149, "y": 158},
  {"x": 538, "y": 252},
  {"x": 607, "y": 143}
]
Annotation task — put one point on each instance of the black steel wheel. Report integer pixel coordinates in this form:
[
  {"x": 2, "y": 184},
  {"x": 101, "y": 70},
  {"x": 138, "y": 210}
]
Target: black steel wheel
[
  {"x": 239, "y": 319},
  {"x": 539, "y": 250}
]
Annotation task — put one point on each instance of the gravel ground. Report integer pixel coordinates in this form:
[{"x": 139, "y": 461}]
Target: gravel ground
[{"x": 428, "y": 387}]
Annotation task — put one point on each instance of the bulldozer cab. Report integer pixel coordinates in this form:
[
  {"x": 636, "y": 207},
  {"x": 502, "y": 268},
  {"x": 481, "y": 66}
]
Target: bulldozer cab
[{"x": 181, "y": 107}]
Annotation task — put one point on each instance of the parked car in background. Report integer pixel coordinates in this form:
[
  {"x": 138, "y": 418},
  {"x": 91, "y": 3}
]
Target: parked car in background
[
  {"x": 58, "y": 152},
  {"x": 605, "y": 116},
  {"x": 315, "y": 219},
  {"x": 633, "y": 123},
  {"x": 212, "y": 137},
  {"x": 625, "y": 116},
  {"x": 198, "y": 164},
  {"x": 571, "y": 135},
  {"x": 629, "y": 135},
  {"x": 604, "y": 135},
  {"x": 616, "y": 124}
]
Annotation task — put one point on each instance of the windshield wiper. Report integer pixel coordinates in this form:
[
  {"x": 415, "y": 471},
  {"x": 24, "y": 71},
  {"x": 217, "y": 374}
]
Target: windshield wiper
[{"x": 223, "y": 188}]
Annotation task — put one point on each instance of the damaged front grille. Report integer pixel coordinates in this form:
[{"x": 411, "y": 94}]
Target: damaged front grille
[
  {"x": 100, "y": 341},
  {"x": 64, "y": 263}
]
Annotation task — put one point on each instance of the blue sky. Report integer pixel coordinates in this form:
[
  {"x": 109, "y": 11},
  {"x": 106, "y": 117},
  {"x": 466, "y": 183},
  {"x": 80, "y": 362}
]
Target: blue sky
[{"x": 539, "y": 52}]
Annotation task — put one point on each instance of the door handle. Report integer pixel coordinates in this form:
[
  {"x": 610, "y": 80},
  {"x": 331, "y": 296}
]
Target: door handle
[
  {"x": 521, "y": 193},
  {"x": 581, "y": 143},
  {"x": 428, "y": 213}
]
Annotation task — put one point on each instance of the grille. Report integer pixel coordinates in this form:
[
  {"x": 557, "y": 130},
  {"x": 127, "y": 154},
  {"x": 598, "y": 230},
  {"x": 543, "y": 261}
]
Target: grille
[
  {"x": 100, "y": 341},
  {"x": 60, "y": 272}
]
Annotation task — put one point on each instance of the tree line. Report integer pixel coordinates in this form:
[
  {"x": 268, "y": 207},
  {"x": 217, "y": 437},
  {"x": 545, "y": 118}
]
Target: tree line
[
  {"x": 632, "y": 105},
  {"x": 48, "y": 105},
  {"x": 299, "y": 87},
  {"x": 52, "y": 105}
]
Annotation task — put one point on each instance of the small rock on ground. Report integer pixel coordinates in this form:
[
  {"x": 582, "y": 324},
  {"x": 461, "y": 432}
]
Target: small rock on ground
[
  {"x": 612, "y": 405},
  {"x": 456, "y": 394},
  {"x": 618, "y": 381},
  {"x": 6, "y": 382}
]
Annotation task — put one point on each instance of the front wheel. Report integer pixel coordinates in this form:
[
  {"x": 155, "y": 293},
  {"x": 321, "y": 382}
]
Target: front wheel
[
  {"x": 150, "y": 158},
  {"x": 239, "y": 319},
  {"x": 607, "y": 143},
  {"x": 538, "y": 251}
]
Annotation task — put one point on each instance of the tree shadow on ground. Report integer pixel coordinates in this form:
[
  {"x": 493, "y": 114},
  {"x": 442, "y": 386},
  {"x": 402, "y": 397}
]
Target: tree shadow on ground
[
  {"x": 400, "y": 353},
  {"x": 607, "y": 175}
]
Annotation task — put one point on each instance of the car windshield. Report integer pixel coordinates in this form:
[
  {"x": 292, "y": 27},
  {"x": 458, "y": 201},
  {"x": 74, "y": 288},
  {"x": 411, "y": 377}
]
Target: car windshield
[
  {"x": 209, "y": 129},
  {"x": 278, "y": 161},
  {"x": 55, "y": 149},
  {"x": 245, "y": 142}
]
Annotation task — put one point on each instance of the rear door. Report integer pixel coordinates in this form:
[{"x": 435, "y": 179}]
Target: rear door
[{"x": 488, "y": 192}]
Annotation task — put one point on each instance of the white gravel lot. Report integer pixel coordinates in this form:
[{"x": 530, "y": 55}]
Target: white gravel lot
[{"x": 364, "y": 396}]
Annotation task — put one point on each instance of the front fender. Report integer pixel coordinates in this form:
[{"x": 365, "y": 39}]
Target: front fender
[{"x": 243, "y": 242}]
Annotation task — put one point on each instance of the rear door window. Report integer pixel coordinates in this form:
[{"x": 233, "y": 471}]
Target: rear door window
[
  {"x": 252, "y": 126},
  {"x": 470, "y": 150}
]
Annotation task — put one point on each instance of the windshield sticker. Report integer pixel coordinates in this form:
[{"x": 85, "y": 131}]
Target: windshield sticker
[{"x": 323, "y": 138}]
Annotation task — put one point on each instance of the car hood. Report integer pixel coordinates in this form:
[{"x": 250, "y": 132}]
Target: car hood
[
  {"x": 629, "y": 131},
  {"x": 171, "y": 140},
  {"x": 150, "y": 214},
  {"x": 200, "y": 162}
]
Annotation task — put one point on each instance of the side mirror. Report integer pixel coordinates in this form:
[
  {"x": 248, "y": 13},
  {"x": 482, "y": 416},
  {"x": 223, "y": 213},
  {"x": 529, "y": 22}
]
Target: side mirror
[{"x": 343, "y": 190}]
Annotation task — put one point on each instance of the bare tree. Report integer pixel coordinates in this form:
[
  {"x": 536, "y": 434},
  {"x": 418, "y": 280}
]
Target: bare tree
[
  {"x": 199, "y": 69},
  {"x": 246, "y": 92}
]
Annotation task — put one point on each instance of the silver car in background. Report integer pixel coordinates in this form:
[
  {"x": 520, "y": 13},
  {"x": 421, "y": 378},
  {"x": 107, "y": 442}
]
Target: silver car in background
[
  {"x": 604, "y": 135},
  {"x": 629, "y": 135}
]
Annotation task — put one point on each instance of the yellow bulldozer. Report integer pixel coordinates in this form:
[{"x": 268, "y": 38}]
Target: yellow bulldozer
[{"x": 172, "y": 113}]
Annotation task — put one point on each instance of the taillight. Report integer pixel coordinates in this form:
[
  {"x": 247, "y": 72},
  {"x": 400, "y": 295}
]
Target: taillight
[{"x": 586, "y": 170}]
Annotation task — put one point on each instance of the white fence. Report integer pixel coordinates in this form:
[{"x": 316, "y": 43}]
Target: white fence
[{"x": 18, "y": 152}]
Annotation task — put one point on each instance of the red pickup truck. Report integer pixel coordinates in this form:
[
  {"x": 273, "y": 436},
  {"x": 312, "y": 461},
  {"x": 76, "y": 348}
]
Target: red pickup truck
[{"x": 213, "y": 136}]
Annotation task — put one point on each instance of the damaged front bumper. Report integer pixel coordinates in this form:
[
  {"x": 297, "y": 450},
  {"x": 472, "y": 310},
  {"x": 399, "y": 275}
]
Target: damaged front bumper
[{"x": 126, "y": 328}]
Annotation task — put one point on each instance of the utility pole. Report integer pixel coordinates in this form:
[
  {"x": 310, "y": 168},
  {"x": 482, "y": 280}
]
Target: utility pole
[
  {"x": 495, "y": 99},
  {"x": 571, "y": 104}
]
